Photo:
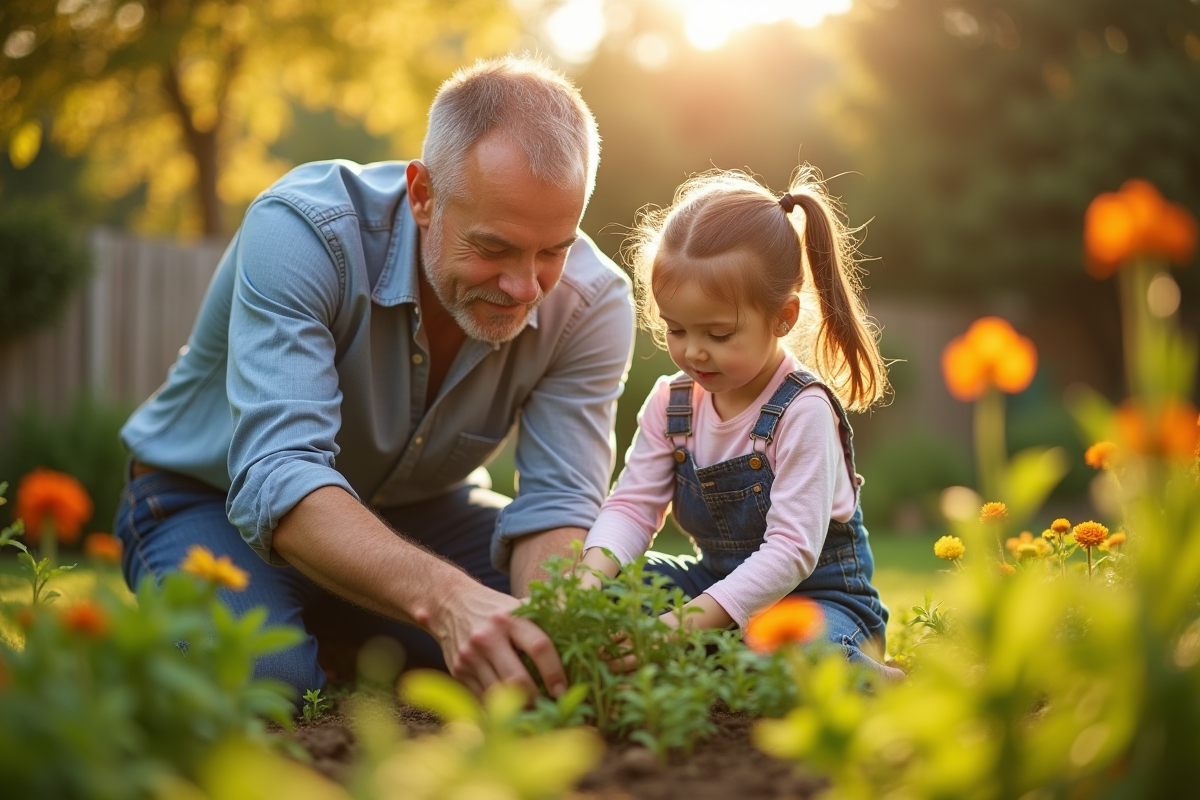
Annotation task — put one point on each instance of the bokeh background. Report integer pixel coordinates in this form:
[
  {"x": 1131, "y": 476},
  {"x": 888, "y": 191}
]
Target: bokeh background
[{"x": 966, "y": 138}]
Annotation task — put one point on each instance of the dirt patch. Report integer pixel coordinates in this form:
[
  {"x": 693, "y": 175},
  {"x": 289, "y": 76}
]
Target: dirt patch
[{"x": 723, "y": 766}]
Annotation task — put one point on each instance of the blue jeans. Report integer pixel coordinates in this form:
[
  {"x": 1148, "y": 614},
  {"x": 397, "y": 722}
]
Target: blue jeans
[{"x": 162, "y": 514}]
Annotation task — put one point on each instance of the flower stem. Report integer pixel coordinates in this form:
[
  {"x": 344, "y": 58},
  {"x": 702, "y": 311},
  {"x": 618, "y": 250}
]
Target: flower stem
[{"x": 990, "y": 447}]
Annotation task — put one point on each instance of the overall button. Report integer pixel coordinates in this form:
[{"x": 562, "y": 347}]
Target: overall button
[
  {"x": 758, "y": 488},
  {"x": 680, "y": 456},
  {"x": 755, "y": 462},
  {"x": 417, "y": 358}
]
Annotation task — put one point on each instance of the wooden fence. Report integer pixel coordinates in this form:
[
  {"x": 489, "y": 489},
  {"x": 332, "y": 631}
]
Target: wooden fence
[{"x": 118, "y": 337}]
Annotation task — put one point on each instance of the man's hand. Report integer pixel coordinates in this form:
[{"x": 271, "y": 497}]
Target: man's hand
[{"x": 480, "y": 640}]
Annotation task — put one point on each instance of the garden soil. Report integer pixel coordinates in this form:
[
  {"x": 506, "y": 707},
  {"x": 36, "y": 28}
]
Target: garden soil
[{"x": 724, "y": 766}]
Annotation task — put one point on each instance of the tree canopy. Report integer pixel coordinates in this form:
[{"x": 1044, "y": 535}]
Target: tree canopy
[{"x": 186, "y": 97}]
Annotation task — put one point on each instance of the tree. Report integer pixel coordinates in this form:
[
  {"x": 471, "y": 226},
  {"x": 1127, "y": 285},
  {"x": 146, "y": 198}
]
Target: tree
[
  {"x": 988, "y": 126},
  {"x": 185, "y": 97}
]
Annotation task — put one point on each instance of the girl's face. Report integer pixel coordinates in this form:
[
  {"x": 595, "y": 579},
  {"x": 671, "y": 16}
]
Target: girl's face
[{"x": 732, "y": 353}]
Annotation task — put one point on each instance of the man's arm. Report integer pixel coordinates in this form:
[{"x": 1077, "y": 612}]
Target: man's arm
[
  {"x": 530, "y": 551},
  {"x": 369, "y": 564}
]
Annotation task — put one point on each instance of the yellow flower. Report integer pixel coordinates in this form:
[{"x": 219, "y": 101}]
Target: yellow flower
[
  {"x": 1117, "y": 539},
  {"x": 1004, "y": 568},
  {"x": 1044, "y": 548},
  {"x": 1090, "y": 534},
  {"x": 221, "y": 571},
  {"x": 1013, "y": 542},
  {"x": 1028, "y": 550},
  {"x": 792, "y": 619},
  {"x": 1060, "y": 526},
  {"x": 993, "y": 512},
  {"x": 949, "y": 548}
]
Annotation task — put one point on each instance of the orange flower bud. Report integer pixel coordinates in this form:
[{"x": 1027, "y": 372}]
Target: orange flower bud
[
  {"x": 86, "y": 618},
  {"x": 989, "y": 354},
  {"x": 1136, "y": 221},
  {"x": 793, "y": 619},
  {"x": 103, "y": 547}
]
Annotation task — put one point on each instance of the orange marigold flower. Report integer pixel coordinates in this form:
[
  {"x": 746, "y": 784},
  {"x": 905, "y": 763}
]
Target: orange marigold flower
[
  {"x": 1117, "y": 539},
  {"x": 1090, "y": 534},
  {"x": 1060, "y": 526},
  {"x": 1169, "y": 433},
  {"x": 1004, "y": 568},
  {"x": 989, "y": 354},
  {"x": 993, "y": 512},
  {"x": 203, "y": 564},
  {"x": 1100, "y": 455},
  {"x": 1136, "y": 221},
  {"x": 55, "y": 496},
  {"x": 103, "y": 547},
  {"x": 86, "y": 618},
  {"x": 792, "y": 619}
]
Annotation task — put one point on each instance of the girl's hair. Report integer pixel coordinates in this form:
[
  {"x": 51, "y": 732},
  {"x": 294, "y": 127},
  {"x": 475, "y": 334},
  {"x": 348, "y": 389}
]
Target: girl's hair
[{"x": 723, "y": 212}]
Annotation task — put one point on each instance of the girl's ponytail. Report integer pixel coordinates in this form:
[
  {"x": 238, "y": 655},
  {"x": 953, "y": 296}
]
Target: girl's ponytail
[{"x": 845, "y": 352}]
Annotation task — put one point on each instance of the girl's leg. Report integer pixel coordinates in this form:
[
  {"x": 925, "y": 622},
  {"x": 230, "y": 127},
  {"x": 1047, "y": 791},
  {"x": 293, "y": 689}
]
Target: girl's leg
[{"x": 845, "y": 630}]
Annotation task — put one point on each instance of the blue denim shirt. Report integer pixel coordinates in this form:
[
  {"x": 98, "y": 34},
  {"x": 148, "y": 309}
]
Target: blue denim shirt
[{"x": 307, "y": 368}]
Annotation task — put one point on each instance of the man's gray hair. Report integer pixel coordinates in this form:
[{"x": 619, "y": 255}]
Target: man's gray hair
[{"x": 536, "y": 107}]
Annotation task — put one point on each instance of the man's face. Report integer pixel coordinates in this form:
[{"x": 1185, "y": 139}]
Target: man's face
[{"x": 492, "y": 253}]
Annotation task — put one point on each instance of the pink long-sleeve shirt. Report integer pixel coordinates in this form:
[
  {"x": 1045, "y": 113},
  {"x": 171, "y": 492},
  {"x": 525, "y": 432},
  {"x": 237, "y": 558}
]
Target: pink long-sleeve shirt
[{"x": 812, "y": 485}]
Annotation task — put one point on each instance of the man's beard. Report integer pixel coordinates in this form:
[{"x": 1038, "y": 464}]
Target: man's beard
[{"x": 479, "y": 324}]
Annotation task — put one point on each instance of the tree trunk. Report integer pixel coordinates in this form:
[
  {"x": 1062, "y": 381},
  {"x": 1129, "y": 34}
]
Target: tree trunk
[{"x": 203, "y": 144}]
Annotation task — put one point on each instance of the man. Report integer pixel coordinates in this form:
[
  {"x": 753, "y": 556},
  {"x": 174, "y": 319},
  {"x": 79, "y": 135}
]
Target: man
[{"x": 371, "y": 336}]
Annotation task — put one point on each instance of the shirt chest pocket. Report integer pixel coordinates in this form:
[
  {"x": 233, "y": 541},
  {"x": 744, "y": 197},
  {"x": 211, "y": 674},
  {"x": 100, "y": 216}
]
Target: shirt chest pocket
[{"x": 469, "y": 452}]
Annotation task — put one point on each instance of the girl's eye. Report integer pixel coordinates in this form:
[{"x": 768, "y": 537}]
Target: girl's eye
[
  {"x": 722, "y": 337},
  {"x": 672, "y": 332}
]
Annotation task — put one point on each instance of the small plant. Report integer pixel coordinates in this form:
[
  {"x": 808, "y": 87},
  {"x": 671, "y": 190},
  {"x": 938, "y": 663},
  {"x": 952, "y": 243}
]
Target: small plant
[
  {"x": 38, "y": 572},
  {"x": 315, "y": 705},
  {"x": 677, "y": 675}
]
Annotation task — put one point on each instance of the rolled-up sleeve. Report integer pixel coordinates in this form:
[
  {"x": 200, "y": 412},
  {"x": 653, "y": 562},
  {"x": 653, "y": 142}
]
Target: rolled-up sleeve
[
  {"x": 282, "y": 381},
  {"x": 565, "y": 447}
]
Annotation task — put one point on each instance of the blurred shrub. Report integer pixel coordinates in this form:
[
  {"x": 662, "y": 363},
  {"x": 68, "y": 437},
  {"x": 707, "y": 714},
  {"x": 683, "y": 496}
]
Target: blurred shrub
[
  {"x": 905, "y": 472},
  {"x": 42, "y": 264},
  {"x": 1036, "y": 417},
  {"x": 82, "y": 443},
  {"x": 106, "y": 699}
]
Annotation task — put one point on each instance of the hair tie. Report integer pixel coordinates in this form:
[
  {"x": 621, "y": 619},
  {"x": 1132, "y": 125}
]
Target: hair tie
[{"x": 787, "y": 202}]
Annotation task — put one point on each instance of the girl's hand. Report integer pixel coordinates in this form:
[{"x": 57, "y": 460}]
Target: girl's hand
[
  {"x": 595, "y": 559},
  {"x": 708, "y": 614}
]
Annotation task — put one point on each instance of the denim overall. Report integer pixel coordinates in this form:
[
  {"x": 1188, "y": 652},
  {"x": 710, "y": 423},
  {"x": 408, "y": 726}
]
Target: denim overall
[{"x": 723, "y": 508}]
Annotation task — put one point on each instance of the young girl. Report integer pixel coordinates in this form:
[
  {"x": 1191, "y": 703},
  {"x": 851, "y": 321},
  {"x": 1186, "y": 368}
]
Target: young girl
[{"x": 756, "y": 299}]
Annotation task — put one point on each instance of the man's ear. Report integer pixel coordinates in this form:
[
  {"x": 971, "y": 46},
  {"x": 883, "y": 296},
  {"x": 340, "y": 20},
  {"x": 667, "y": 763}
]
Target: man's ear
[{"x": 420, "y": 193}]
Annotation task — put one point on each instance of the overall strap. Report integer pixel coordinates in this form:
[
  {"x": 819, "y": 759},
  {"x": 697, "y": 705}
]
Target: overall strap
[
  {"x": 679, "y": 407},
  {"x": 772, "y": 410}
]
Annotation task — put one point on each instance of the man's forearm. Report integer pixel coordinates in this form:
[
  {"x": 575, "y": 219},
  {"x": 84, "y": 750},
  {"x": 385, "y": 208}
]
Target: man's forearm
[
  {"x": 330, "y": 537},
  {"x": 530, "y": 551}
]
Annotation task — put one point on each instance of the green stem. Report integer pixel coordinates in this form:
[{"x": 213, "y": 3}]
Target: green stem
[
  {"x": 48, "y": 547},
  {"x": 1089, "y": 555}
]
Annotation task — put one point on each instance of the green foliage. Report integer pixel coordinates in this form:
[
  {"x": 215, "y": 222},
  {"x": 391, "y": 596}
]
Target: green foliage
[
  {"x": 1044, "y": 681},
  {"x": 42, "y": 264},
  {"x": 38, "y": 572},
  {"x": 84, "y": 443},
  {"x": 907, "y": 470},
  {"x": 665, "y": 701},
  {"x": 485, "y": 749},
  {"x": 107, "y": 699}
]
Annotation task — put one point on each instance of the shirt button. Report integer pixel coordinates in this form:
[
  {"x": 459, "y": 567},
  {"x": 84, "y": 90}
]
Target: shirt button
[
  {"x": 420, "y": 440},
  {"x": 417, "y": 358}
]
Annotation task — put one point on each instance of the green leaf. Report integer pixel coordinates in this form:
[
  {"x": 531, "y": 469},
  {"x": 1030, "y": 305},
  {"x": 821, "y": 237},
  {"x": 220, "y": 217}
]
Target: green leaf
[
  {"x": 1030, "y": 477},
  {"x": 441, "y": 694}
]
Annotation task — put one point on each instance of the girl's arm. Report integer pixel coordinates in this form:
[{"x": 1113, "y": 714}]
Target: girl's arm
[
  {"x": 702, "y": 612},
  {"x": 636, "y": 508}
]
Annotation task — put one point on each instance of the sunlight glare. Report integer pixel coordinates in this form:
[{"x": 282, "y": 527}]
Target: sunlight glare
[
  {"x": 576, "y": 29},
  {"x": 709, "y": 23}
]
